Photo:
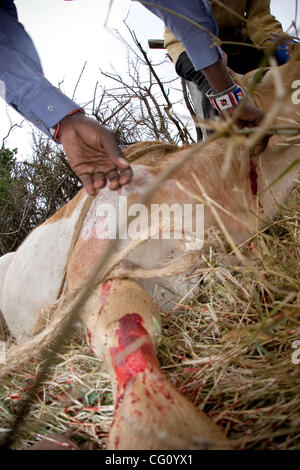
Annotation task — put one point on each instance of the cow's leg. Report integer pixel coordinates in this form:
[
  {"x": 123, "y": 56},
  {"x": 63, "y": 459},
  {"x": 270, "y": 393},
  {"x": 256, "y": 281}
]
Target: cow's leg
[{"x": 122, "y": 322}]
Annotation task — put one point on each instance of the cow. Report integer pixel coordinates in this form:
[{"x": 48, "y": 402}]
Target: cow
[{"x": 121, "y": 313}]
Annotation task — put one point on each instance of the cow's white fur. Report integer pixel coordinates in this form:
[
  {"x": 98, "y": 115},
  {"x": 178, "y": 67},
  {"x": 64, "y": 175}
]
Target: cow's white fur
[
  {"x": 153, "y": 253},
  {"x": 32, "y": 276}
]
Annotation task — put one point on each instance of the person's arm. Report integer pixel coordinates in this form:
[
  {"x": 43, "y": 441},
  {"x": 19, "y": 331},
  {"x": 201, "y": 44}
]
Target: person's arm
[
  {"x": 93, "y": 153},
  {"x": 173, "y": 46},
  {"x": 249, "y": 116},
  {"x": 201, "y": 51},
  {"x": 25, "y": 88},
  {"x": 263, "y": 29},
  {"x": 197, "y": 42},
  {"x": 261, "y": 25}
]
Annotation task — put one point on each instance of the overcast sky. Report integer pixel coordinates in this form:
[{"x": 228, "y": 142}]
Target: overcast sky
[{"x": 68, "y": 33}]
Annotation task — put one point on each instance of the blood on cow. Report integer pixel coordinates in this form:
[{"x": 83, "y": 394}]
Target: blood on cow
[{"x": 137, "y": 361}]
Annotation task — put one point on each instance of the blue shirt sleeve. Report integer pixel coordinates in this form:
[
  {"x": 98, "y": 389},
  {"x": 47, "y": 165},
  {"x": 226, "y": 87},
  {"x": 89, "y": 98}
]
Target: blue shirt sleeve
[
  {"x": 10, "y": 7},
  {"x": 197, "y": 43},
  {"x": 22, "y": 83}
]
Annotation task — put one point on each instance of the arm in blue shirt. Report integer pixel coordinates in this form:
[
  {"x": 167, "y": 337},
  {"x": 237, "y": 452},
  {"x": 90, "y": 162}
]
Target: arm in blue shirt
[
  {"x": 91, "y": 149},
  {"x": 28, "y": 91},
  {"x": 197, "y": 43},
  {"x": 21, "y": 75}
]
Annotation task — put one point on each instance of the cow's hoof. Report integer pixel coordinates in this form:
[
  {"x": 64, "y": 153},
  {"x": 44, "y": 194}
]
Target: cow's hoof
[{"x": 151, "y": 414}]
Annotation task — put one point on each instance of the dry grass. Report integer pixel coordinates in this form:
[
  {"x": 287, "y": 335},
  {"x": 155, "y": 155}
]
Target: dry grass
[{"x": 230, "y": 352}]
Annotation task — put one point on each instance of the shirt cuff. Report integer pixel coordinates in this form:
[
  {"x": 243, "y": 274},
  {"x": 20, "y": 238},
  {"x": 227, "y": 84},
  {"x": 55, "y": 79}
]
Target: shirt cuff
[{"x": 49, "y": 107}]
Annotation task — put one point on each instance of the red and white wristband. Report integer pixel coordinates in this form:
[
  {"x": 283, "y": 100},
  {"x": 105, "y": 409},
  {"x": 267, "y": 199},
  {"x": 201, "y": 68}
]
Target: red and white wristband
[{"x": 225, "y": 99}]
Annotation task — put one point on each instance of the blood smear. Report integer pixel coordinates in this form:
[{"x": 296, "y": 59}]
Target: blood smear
[
  {"x": 143, "y": 358},
  {"x": 253, "y": 178}
]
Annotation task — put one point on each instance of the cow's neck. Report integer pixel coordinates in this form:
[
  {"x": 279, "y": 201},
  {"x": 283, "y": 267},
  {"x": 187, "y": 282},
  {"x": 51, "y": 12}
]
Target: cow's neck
[{"x": 264, "y": 94}]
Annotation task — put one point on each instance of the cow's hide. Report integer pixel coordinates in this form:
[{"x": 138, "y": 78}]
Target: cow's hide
[{"x": 33, "y": 277}]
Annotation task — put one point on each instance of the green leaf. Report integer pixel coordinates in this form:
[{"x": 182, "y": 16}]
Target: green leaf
[{"x": 93, "y": 397}]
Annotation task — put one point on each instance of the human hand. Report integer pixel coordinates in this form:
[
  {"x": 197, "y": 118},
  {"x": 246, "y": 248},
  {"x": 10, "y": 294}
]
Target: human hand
[
  {"x": 283, "y": 52},
  {"x": 93, "y": 153},
  {"x": 249, "y": 116}
]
